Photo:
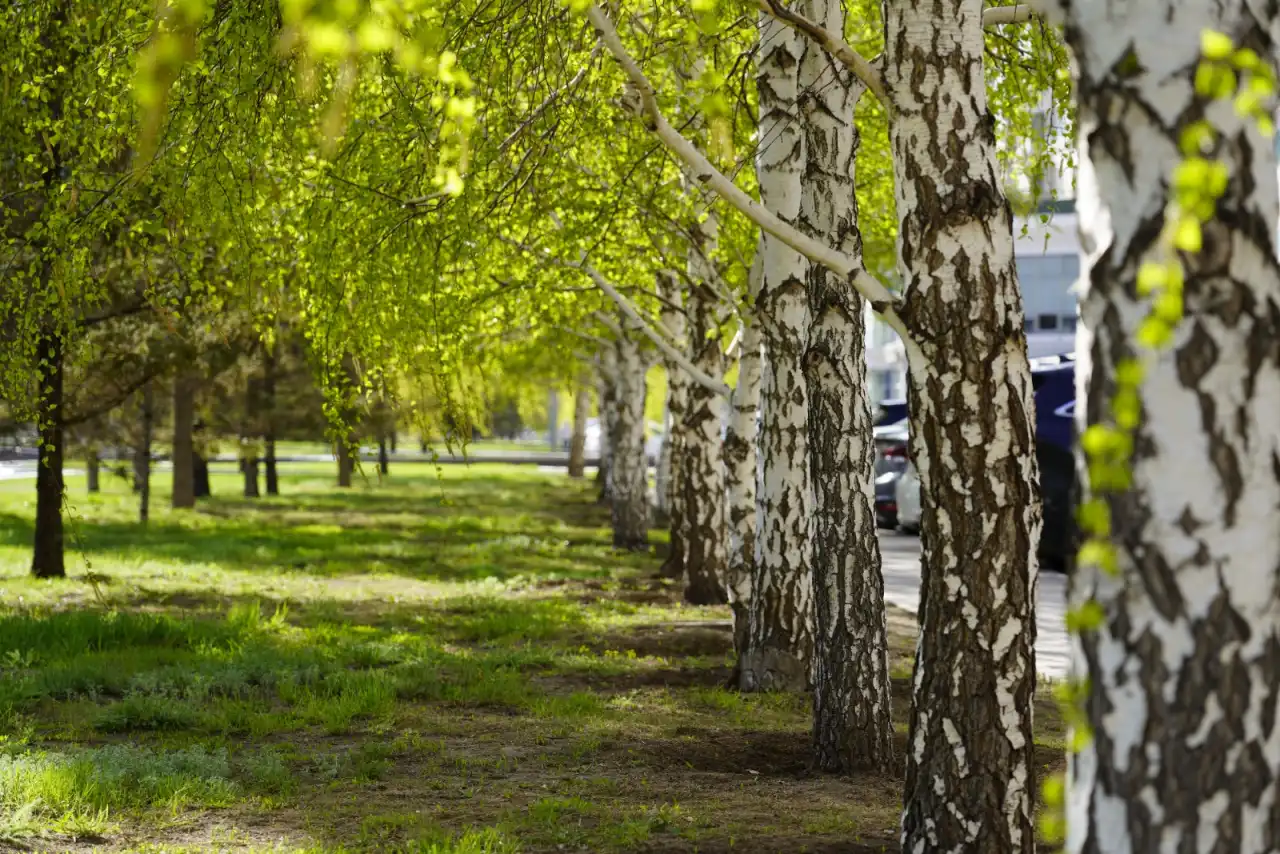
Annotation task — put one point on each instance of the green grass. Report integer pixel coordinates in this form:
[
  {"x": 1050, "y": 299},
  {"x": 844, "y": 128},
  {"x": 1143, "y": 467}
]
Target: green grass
[{"x": 448, "y": 661}]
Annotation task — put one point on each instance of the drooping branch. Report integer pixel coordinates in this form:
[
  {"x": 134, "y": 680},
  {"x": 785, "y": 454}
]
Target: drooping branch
[
  {"x": 642, "y": 101},
  {"x": 996, "y": 16},
  {"x": 549, "y": 100},
  {"x": 833, "y": 44}
]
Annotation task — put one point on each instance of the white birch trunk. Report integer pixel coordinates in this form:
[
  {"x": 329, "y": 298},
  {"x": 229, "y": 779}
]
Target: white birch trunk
[
  {"x": 628, "y": 468},
  {"x": 970, "y": 767},
  {"x": 852, "y": 724},
  {"x": 607, "y": 393},
  {"x": 673, "y": 444},
  {"x": 1185, "y": 751},
  {"x": 741, "y": 471},
  {"x": 780, "y": 632}
]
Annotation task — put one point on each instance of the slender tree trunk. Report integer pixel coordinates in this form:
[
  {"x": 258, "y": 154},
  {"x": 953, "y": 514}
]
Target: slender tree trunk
[
  {"x": 346, "y": 462},
  {"x": 93, "y": 471},
  {"x": 780, "y": 632},
  {"x": 662, "y": 473},
  {"x": 269, "y": 423},
  {"x": 200, "y": 478},
  {"x": 1182, "y": 671},
  {"x": 741, "y": 470},
  {"x": 701, "y": 480},
  {"x": 970, "y": 774},
  {"x": 249, "y": 468},
  {"x": 671, "y": 492},
  {"x": 578, "y": 441},
  {"x": 142, "y": 454},
  {"x": 393, "y": 437},
  {"x": 852, "y": 722},
  {"x": 607, "y": 398},
  {"x": 184, "y": 416},
  {"x": 630, "y": 503},
  {"x": 48, "y": 560},
  {"x": 384, "y": 462}
]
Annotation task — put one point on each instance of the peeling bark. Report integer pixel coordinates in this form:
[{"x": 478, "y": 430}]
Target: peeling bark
[
  {"x": 578, "y": 440},
  {"x": 741, "y": 470},
  {"x": 970, "y": 771},
  {"x": 1185, "y": 747},
  {"x": 674, "y": 445},
  {"x": 780, "y": 631},
  {"x": 630, "y": 501},
  {"x": 852, "y": 723}
]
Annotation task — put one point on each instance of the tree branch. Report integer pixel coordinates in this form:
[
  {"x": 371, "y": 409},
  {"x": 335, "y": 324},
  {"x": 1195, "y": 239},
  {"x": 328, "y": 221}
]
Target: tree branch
[
  {"x": 644, "y": 104},
  {"x": 833, "y": 44},
  {"x": 997, "y": 15}
]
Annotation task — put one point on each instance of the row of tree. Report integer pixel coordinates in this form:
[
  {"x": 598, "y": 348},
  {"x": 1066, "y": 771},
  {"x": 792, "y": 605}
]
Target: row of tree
[{"x": 436, "y": 195}]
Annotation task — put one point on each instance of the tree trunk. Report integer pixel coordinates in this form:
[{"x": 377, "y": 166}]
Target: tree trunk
[
  {"x": 200, "y": 476},
  {"x": 269, "y": 423},
  {"x": 142, "y": 454},
  {"x": 970, "y": 774},
  {"x": 249, "y": 468},
  {"x": 852, "y": 723},
  {"x": 780, "y": 633},
  {"x": 741, "y": 470},
  {"x": 393, "y": 437},
  {"x": 630, "y": 503},
  {"x": 93, "y": 471},
  {"x": 384, "y": 462},
  {"x": 672, "y": 497},
  {"x": 183, "y": 456},
  {"x": 1182, "y": 671},
  {"x": 578, "y": 441},
  {"x": 48, "y": 559},
  {"x": 607, "y": 398},
  {"x": 701, "y": 479},
  {"x": 346, "y": 461}
]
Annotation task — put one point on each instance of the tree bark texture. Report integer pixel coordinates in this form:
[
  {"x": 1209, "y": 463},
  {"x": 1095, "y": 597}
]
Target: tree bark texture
[
  {"x": 578, "y": 439},
  {"x": 969, "y": 782},
  {"x": 607, "y": 397},
  {"x": 701, "y": 480},
  {"x": 671, "y": 496},
  {"x": 852, "y": 722},
  {"x": 630, "y": 501},
  {"x": 741, "y": 471},
  {"x": 142, "y": 453},
  {"x": 1182, "y": 671},
  {"x": 48, "y": 558},
  {"x": 780, "y": 633},
  {"x": 184, "y": 416}
]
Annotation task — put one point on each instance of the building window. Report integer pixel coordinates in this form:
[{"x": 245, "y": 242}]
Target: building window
[
  {"x": 1047, "y": 322},
  {"x": 1069, "y": 322},
  {"x": 1029, "y": 325}
]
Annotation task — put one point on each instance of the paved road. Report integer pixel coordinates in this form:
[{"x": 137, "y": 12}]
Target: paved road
[{"x": 901, "y": 559}]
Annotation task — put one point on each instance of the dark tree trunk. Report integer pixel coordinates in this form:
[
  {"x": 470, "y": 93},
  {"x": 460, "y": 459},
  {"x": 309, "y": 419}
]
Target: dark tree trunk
[
  {"x": 608, "y": 411},
  {"x": 200, "y": 476},
  {"x": 93, "y": 472},
  {"x": 578, "y": 439},
  {"x": 384, "y": 462},
  {"x": 48, "y": 560},
  {"x": 142, "y": 454},
  {"x": 184, "y": 415},
  {"x": 393, "y": 439},
  {"x": 249, "y": 468},
  {"x": 346, "y": 461},
  {"x": 269, "y": 424}
]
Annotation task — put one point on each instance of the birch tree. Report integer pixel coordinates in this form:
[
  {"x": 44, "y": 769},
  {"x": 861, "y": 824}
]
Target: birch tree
[{"x": 1177, "y": 361}]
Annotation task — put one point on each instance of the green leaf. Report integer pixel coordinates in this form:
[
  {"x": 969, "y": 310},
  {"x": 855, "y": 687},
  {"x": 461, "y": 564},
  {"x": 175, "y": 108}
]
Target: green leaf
[
  {"x": 1085, "y": 617},
  {"x": 1154, "y": 333},
  {"x": 1215, "y": 46},
  {"x": 1094, "y": 516},
  {"x": 1187, "y": 236},
  {"x": 1152, "y": 277}
]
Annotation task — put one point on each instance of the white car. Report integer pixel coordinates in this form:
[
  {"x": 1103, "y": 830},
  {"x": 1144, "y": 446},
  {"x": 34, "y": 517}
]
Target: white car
[{"x": 907, "y": 493}]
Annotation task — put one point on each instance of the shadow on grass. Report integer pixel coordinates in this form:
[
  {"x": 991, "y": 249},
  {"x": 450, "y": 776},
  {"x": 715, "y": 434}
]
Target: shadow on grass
[{"x": 449, "y": 530}]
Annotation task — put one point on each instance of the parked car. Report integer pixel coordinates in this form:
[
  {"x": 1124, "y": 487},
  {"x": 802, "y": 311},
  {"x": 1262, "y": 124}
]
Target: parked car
[
  {"x": 891, "y": 460},
  {"x": 1053, "y": 383},
  {"x": 890, "y": 412}
]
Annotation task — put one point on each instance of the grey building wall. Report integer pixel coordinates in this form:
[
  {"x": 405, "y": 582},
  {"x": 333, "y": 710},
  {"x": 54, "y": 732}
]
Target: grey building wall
[{"x": 1047, "y": 296}]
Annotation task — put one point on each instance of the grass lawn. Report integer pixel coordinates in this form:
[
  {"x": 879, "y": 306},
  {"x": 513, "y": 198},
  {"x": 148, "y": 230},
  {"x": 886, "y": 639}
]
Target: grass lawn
[{"x": 437, "y": 663}]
